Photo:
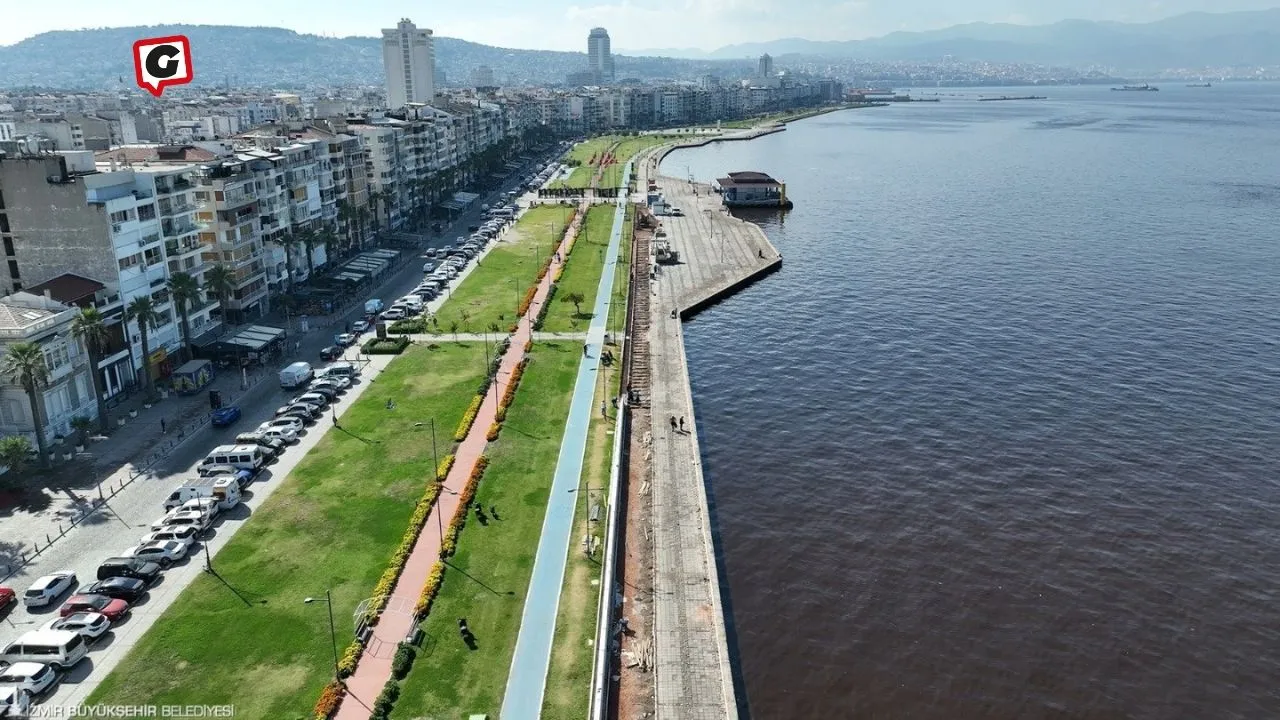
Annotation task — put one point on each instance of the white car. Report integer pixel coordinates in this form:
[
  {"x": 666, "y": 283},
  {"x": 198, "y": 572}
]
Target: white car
[
  {"x": 336, "y": 383},
  {"x": 206, "y": 505},
  {"x": 284, "y": 433},
  {"x": 392, "y": 314},
  {"x": 311, "y": 398},
  {"x": 184, "y": 535},
  {"x": 183, "y": 518},
  {"x": 346, "y": 339},
  {"x": 30, "y": 677},
  {"x": 14, "y": 703},
  {"x": 289, "y": 423},
  {"x": 49, "y": 588},
  {"x": 90, "y": 625},
  {"x": 359, "y": 326},
  {"x": 165, "y": 552}
]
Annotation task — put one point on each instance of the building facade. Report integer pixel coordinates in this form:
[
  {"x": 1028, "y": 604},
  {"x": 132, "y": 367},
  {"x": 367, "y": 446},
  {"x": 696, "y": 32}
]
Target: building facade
[
  {"x": 408, "y": 56},
  {"x": 599, "y": 57}
]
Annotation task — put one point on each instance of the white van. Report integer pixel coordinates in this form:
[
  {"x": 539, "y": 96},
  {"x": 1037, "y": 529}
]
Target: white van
[
  {"x": 60, "y": 648},
  {"x": 225, "y": 490},
  {"x": 245, "y": 457},
  {"x": 296, "y": 375}
]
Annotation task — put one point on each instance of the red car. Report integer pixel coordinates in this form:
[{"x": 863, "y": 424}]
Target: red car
[
  {"x": 7, "y": 598},
  {"x": 112, "y": 608}
]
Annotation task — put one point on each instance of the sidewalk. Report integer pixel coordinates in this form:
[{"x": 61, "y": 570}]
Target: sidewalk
[{"x": 395, "y": 625}]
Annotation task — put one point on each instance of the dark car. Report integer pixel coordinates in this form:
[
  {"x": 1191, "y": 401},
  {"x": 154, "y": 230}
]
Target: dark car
[
  {"x": 271, "y": 446},
  {"x": 222, "y": 417},
  {"x": 472, "y": 228},
  {"x": 113, "y": 608},
  {"x": 8, "y": 598},
  {"x": 304, "y": 411},
  {"x": 325, "y": 390},
  {"x": 121, "y": 588},
  {"x": 333, "y": 352},
  {"x": 129, "y": 567}
]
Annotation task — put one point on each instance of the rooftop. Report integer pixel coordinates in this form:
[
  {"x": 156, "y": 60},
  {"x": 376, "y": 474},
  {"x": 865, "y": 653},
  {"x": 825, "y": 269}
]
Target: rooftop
[
  {"x": 156, "y": 153},
  {"x": 746, "y": 177},
  {"x": 23, "y": 311},
  {"x": 68, "y": 288}
]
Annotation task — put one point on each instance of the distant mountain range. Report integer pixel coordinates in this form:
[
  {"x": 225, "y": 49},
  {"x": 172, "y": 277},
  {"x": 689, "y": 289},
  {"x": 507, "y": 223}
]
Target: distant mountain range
[
  {"x": 1188, "y": 40},
  {"x": 278, "y": 58},
  {"x": 283, "y": 59}
]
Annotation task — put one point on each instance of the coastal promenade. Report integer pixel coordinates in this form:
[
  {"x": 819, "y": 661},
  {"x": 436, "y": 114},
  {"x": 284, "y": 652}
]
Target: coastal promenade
[{"x": 683, "y": 617}]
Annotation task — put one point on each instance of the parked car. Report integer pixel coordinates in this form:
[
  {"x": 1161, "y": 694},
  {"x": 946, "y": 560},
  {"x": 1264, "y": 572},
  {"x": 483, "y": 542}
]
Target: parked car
[
  {"x": 308, "y": 410},
  {"x": 311, "y": 398},
  {"x": 392, "y": 315},
  {"x": 49, "y": 588},
  {"x": 184, "y": 535},
  {"x": 359, "y": 326},
  {"x": 8, "y": 598},
  {"x": 90, "y": 625},
  {"x": 270, "y": 446},
  {"x": 332, "y": 352},
  {"x": 14, "y": 703},
  {"x": 428, "y": 267},
  {"x": 115, "y": 609},
  {"x": 345, "y": 340},
  {"x": 129, "y": 567},
  {"x": 216, "y": 469},
  {"x": 283, "y": 423},
  {"x": 30, "y": 677},
  {"x": 165, "y": 552},
  {"x": 129, "y": 590},
  {"x": 225, "y": 416},
  {"x": 284, "y": 433},
  {"x": 180, "y": 517},
  {"x": 335, "y": 383}
]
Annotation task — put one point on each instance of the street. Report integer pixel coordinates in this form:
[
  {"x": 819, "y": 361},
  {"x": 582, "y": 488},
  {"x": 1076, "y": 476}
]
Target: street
[{"x": 126, "y": 517}]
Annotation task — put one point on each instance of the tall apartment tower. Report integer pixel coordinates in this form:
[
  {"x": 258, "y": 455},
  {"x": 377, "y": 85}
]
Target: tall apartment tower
[
  {"x": 599, "y": 59},
  {"x": 408, "y": 55},
  {"x": 766, "y": 66}
]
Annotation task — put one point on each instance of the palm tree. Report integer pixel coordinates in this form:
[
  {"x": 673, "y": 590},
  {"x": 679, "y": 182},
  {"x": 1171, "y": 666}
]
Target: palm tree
[
  {"x": 24, "y": 364},
  {"x": 143, "y": 311},
  {"x": 83, "y": 426},
  {"x": 308, "y": 239},
  {"x": 375, "y": 198},
  {"x": 286, "y": 241},
  {"x": 15, "y": 453},
  {"x": 362, "y": 219},
  {"x": 88, "y": 327},
  {"x": 186, "y": 293},
  {"x": 220, "y": 280},
  {"x": 346, "y": 216}
]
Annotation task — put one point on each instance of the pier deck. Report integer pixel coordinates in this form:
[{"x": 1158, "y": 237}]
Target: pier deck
[{"x": 692, "y": 669}]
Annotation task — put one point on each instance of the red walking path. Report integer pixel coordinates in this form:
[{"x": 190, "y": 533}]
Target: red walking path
[{"x": 397, "y": 620}]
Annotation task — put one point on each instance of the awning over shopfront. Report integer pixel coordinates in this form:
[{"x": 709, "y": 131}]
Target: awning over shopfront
[{"x": 460, "y": 200}]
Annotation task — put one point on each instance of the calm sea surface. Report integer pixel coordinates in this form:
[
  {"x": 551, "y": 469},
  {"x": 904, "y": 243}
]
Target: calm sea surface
[{"x": 1001, "y": 439}]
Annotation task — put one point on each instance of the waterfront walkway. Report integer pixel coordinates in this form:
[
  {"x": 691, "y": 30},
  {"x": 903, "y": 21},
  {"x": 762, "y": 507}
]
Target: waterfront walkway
[
  {"x": 397, "y": 620},
  {"x": 718, "y": 253},
  {"x": 532, "y": 657}
]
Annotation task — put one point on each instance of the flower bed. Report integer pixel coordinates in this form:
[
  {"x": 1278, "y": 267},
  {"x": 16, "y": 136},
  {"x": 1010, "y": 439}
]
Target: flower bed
[
  {"x": 446, "y": 465},
  {"x": 468, "y": 419},
  {"x": 512, "y": 386},
  {"x": 494, "y": 429},
  {"x": 450, "y": 541},
  {"x": 390, "y": 346},
  {"x": 328, "y": 702},
  {"x": 527, "y": 300},
  {"x": 407, "y": 326},
  {"x": 429, "y": 590}
]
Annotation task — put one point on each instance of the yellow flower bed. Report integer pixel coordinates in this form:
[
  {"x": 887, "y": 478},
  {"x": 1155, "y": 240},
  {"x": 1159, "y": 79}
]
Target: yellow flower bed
[
  {"x": 429, "y": 590},
  {"x": 446, "y": 465},
  {"x": 449, "y": 543},
  {"x": 494, "y": 429},
  {"x": 468, "y": 419}
]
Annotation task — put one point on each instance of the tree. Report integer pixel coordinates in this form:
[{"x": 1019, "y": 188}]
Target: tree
[
  {"x": 346, "y": 216},
  {"x": 83, "y": 426},
  {"x": 376, "y": 197},
  {"x": 453, "y": 328},
  {"x": 142, "y": 310},
  {"x": 221, "y": 281},
  {"x": 15, "y": 453},
  {"x": 577, "y": 299},
  {"x": 24, "y": 364},
  {"x": 88, "y": 327},
  {"x": 308, "y": 239},
  {"x": 186, "y": 293}
]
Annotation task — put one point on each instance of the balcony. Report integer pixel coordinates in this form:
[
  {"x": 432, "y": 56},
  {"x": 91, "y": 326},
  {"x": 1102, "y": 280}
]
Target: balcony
[
  {"x": 173, "y": 228},
  {"x": 176, "y": 208}
]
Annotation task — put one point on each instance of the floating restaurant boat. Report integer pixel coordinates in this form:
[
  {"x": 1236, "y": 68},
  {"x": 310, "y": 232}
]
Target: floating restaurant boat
[{"x": 752, "y": 189}]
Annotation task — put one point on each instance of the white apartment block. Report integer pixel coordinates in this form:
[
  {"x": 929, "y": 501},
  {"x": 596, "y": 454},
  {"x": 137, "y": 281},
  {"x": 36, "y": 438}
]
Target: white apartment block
[{"x": 408, "y": 56}]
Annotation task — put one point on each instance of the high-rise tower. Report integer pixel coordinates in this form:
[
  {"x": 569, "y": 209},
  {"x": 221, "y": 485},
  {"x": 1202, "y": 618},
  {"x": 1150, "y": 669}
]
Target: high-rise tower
[
  {"x": 408, "y": 55},
  {"x": 599, "y": 59}
]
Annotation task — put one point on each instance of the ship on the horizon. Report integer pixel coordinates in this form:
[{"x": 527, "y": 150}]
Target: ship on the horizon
[
  {"x": 1201, "y": 85},
  {"x": 1137, "y": 88}
]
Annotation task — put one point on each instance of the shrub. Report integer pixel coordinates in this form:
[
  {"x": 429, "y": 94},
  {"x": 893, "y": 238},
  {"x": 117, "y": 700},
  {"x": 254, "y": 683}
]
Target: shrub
[
  {"x": 527, "y": 300},
  {"x": 512, "y": 385},
  {"x": 408, "y": 325},
  {"x": 402, "y": 663},
  {"x": 449, "y": 543},
  {"x": 468, "y": 419},
  {"x": 501, "y": 415},
  {"x": 429, "y": 591},
  {"x": 446, "y": 465},
  {"x": 386, "y": 701},
  {"x": 494, "y": 429},
  {"x": 350, "y": 658},
  {"x": 328, "y": 702},
  {"x": 390, "y": 346}
]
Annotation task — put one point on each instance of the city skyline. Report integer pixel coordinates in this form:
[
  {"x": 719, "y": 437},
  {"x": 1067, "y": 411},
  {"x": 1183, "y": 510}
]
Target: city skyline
[{"x": 704, "y": 26}]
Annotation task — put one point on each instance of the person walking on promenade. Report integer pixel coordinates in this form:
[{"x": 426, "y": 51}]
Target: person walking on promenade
[
  {"x": 681, "y": 423},
  {"x": 162, "y": 427},
  {"x": 673, "y": 422}
]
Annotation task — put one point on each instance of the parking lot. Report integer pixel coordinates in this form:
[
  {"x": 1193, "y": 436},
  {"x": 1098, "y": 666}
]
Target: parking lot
[{"x": 127, "y": 516}]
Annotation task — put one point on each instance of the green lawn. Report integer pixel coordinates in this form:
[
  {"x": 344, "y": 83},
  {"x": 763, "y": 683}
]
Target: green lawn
[
  {"x": 582, "y": 273},
  {"x": 244, "y": 637},
  {"x": 448, "y": 680},
  {"x": 493, "y": 291},
  {"x": 626, "y": 150},
  {"x": 622, "y": 276},
  {"x": 582, "y": 154},
  {"x": 572, "y": 652},
  {"x": 782, "y": 117}
]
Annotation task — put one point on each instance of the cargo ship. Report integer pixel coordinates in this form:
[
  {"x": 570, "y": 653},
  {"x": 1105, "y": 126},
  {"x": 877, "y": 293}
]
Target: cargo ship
[
  {"x": 1011, "y": 97},
  {"x": 1137, "y": 88}
]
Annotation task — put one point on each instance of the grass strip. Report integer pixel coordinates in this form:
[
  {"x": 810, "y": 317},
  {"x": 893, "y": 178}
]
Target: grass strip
[
  {"x": 581, "y": 273},
  {"x": 332, "y": 525}
]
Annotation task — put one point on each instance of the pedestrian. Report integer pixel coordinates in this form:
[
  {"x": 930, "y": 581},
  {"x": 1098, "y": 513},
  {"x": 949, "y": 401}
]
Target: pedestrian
[
  {"x": 584, "y": 350},
  {"x": 493, "y": 510},
  {"x": 681, "y": 423},
  {"x": 673, "y": 422},
  {"x": 162, "y": 427},
  {"x": 760, "y": 253}
]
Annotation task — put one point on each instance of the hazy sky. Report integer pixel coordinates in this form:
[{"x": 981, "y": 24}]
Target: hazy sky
[{"x": 563, "y": 24}]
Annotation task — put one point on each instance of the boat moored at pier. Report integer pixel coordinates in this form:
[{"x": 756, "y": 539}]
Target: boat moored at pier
[{"x": 752, "y": 189}]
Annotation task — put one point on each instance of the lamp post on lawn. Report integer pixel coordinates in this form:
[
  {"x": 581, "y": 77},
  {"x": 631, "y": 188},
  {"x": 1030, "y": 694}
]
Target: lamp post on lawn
[{"x": 333, "y": 633}]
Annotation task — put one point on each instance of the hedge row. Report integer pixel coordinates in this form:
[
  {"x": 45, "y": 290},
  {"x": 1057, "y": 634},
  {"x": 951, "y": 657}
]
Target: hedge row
[
  {"x": 386, "y": 701},
  {"x": 390, "y": 346},
  {"x": 328, "y": 702},
  {"x": 429, "y": 591},
  {"x": 468, "y": 419},
  {"x": 407, "y": 326},
  {"x": 450, "y": 541},
  {"x": 494, "y": 429}
]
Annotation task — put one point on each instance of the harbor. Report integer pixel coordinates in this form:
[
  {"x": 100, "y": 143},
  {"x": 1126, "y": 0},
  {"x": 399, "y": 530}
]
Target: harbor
[{"x": 676, "y": 662}]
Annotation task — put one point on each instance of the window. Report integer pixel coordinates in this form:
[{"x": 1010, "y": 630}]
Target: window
[
  {"x": 55, "y": 356},
  {"x": 128, "y": 262},
  {"x": 153, "y": 256},
  {"x": 146, "y": 212},
  {"x": 121, "y": 216}
]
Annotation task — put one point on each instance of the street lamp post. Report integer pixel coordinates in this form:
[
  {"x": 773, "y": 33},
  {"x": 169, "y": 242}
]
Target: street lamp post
[{"x": 333, "y": 633}]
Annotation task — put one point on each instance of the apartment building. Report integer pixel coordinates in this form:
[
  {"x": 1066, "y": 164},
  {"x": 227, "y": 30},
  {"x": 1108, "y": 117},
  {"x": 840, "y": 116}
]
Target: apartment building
[
  {"x": 25, "y": 317},
  {"x": 101, "y": 235}
]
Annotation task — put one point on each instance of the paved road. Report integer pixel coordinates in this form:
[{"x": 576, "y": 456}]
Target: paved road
[
  {"x": 532, "y": 657},
  {"x": 127, "y": 516}
]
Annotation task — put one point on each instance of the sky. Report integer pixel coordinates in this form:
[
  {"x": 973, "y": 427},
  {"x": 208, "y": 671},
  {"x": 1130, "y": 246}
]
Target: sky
[{"x": 563, "y": 24}]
